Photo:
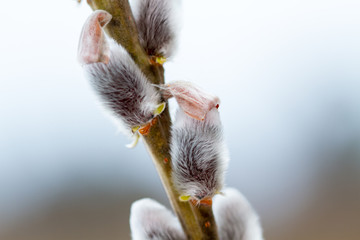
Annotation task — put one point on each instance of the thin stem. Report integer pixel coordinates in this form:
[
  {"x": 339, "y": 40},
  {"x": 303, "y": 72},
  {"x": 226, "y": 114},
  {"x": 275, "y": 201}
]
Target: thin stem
[
  {"x": 205, "y": 218},
  {"x": 122, "y": 28}
]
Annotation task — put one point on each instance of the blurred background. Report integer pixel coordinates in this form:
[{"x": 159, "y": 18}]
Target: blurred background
[{"x": 288, "y": 76}]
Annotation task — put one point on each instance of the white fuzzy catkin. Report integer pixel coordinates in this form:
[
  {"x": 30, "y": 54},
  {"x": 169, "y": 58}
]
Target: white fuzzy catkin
[
  {"x": 149, "y": 220},
  {"x": 156, "y": 24},
  {"x": 199, "y": 156},
  {"x": 123, "y": 88},
  {"x": 235, "y": 218}
]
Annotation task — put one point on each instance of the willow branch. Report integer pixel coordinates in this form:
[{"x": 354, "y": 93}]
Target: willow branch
[
  {"x": 205, "y": 218},
  {"x": 122, "y": 29}
]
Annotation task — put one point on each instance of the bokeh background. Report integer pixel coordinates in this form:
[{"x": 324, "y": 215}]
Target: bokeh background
[{"x": 287, "y": 73}]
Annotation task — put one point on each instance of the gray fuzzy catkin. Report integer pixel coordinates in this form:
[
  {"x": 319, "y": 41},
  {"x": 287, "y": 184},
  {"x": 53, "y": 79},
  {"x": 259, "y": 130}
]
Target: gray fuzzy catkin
[
  {"x": 123, "y": 87},
  {"x": 235, "y": 217},
  {"x": 199, "y": 156},
  {"x": 149, "y": 220},
  {"x": 155, "y": 20}
]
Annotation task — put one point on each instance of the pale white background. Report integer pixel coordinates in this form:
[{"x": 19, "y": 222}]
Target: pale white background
[{"x": 288, "y": 76}]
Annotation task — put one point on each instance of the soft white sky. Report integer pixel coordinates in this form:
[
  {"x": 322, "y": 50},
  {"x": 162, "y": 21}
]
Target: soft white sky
[{"x": 287, "y": 73}]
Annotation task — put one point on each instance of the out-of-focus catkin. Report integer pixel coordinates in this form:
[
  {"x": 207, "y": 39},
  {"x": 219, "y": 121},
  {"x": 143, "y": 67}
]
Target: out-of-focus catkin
[{"x": 156, "y": 22}]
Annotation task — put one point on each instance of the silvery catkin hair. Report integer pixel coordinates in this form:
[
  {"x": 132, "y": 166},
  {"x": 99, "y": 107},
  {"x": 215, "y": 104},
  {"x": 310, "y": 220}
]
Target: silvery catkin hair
[
  {"x": 155, "y": 20},
  {"x": 149, "y": 220},
  {"x": 199, "y": 156},
  {"x": 235, "y": 217},
  {"x": 122, "y": 86}
]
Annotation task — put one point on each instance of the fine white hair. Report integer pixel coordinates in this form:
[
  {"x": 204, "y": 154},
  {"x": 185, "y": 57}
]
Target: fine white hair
[
  {"x": 199, "y": 155},
  {"x": 123, "y": 88},
  {"x": 235, "y": 217},
  {"x": 156, "y": 22},
  {"x": 149, "y": 220}
]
